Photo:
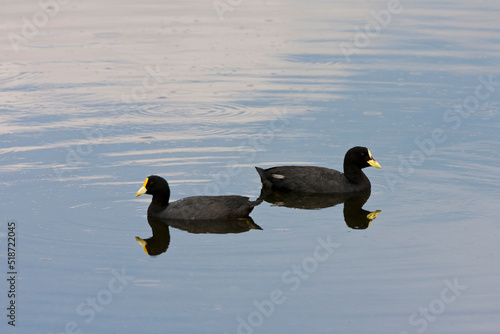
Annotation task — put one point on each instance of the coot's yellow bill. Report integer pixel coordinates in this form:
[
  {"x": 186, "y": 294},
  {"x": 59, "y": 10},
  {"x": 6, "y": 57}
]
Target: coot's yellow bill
[
  {"x": 372, "y": 162},
  {"x": 143, "y": 190}
]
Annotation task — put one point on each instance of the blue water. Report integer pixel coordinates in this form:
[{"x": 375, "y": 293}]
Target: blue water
[{"x": 104, "y": 94}]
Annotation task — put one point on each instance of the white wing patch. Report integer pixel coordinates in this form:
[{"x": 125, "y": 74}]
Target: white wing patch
[{"x": 278, "y": 176}]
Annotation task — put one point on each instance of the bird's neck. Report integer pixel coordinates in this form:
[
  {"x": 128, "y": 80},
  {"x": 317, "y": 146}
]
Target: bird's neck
[
  {"x": 159, "y": 202},
  {"x": 355, "y": 174}
]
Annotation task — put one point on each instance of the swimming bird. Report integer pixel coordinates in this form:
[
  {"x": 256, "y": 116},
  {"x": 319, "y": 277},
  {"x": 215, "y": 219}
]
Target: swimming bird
[
  {"x": 195, "y": 207},
  {"x": 320, "y": 180}
]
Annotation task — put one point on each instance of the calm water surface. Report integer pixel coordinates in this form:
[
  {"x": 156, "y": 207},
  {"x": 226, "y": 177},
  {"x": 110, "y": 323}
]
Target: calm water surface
[{"x": 96, "y": 96}]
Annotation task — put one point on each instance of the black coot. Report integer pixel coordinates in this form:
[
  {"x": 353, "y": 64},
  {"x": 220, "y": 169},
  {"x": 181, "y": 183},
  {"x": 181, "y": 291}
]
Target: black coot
[
  {"x": 320, "y": 180},
  {"x": 196, "y": 207}
]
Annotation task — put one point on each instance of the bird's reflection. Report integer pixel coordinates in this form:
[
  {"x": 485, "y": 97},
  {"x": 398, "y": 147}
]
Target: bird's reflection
[
  {"x": 160, "y": 240},
  {"x": 354, "y": 214}
]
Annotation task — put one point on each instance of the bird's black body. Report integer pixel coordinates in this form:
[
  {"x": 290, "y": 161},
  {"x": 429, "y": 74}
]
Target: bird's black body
[
  {"x": 196, "y": 207},
  {"x": 320, "y": 180}
]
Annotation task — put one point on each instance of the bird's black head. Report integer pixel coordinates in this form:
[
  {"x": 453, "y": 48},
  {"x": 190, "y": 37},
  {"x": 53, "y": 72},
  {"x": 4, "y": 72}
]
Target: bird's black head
[
  {"x": 156, "y": 186},
  {"x": 360, "y": 157}
]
